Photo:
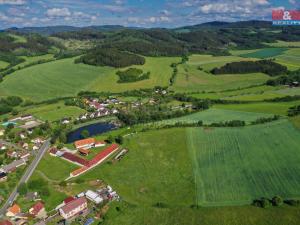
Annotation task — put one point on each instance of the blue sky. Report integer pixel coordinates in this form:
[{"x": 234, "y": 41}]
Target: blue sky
[{"x": 144, "y": 13}]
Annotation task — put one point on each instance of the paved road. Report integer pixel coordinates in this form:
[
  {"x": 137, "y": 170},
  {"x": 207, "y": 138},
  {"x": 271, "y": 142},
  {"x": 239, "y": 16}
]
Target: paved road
[{"x": 25, "y": 176}]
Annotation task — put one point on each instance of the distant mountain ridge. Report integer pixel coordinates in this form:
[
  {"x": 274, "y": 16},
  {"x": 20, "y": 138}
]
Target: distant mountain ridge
[{"x": 49, "y": 30}]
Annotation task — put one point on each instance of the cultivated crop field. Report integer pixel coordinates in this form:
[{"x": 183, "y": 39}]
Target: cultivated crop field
[
  {"x": 236, "y": 165},
  {"x": 265, "y": 53}
]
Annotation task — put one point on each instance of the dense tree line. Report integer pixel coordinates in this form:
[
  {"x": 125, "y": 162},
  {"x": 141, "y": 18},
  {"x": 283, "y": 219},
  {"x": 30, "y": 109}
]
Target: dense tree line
[
  {"x": 262, "y": 66},
  {"x": 294, "y": 111},
  {"x": 7, "y": 104},
  {"x": 275, "y": 201},
  {"x": 86, "y": 34},
  {"x": 265, "y": 120},
  {"x": 110, "y": 57},
  {"x": 132, "y": 75},
  {"x": 145, "y": 114},
  {"x": 289, "y": 79}
]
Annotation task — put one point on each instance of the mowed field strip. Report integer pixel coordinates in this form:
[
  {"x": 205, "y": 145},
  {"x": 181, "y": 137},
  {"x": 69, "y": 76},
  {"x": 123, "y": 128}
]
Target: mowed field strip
[{"x": 236, "y": 165}]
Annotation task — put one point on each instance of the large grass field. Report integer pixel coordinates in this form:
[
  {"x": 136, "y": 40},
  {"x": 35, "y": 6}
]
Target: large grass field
[
  {"x": 190, "y": 78},
  {"x": 64, "y": 78},
  {"x": 235, "y": 165},
  {"x": 290, "y": 59},
  {"x": 278, "y": 108},
  {"x": 244, "y": 215},
  {"x": 54, "y": 112},
  {"x": 216, "y": 115}
]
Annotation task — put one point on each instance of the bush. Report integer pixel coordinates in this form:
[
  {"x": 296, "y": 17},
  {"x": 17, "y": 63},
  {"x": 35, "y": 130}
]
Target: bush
[
  {"x": 132, "y": 75},
  {"x": 277, "y": 201},
  {"x": 23, "y": 189}
]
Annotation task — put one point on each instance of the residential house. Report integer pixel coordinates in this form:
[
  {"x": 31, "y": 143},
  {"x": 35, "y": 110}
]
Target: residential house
[
  {"x": 73, "y": 208},
  {"x": 5, "y": 222},
  {"x": 12, "y": 154},
  {"x": 38, "y": 210},
  {"x": 85, "y": 143},
  {"x": 2, "y": 132},
  {"x": 3, "y": 176},
  {"x": 37, "y": 141},
  {"x": 14, "y": 165},
  {"x": 13, "y": 210},
  {"x": 3, "y": 147},
  {"x": 26, "y": 117},
  {"x": 25, "y": 146}
]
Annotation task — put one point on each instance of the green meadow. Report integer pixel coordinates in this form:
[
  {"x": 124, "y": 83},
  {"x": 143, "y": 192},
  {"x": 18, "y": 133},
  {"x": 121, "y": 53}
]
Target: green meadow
[
  {"x": 54, "y": 112},
  {"x": 64, "y": 78},
  {"x": 3, "y": 64},
  {"x": 190, "y": 78}
]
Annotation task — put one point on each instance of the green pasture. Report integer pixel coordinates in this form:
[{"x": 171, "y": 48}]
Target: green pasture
[
  {"x": 18, "y": 38},
  {"x": 236, "y": 165},
  {"x": 54, "y": 112}
]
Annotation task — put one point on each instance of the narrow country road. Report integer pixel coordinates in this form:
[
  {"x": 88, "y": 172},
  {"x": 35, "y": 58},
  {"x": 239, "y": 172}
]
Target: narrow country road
[{"x": 26, "y": 176}]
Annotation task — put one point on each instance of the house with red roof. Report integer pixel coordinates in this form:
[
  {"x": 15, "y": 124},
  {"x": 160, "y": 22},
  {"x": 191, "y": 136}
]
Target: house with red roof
[
  {"x": 38, "y": 210},
  {"x": 5, "y": 222},
  {"x": 73, "y": 208},
  {"x": 13, "y": 210}
]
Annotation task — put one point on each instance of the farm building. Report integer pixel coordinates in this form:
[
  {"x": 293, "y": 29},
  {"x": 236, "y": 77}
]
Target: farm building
[
  {"x": 94, "y": 197},
  {"x": 85, "y": 143}
]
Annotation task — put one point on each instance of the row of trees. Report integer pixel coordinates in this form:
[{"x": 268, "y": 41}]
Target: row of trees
[
  {"x": 294, "y": 111},
  {"x": 275, "y": 201},
  {"x": 291, "y": 78},
  {"x": 7, "y": 104},
  {"x": 263, "y": 66}
]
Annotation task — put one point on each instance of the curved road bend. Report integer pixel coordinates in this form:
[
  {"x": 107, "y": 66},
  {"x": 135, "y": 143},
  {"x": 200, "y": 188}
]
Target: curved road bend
[{"x": 25, "y": 176}]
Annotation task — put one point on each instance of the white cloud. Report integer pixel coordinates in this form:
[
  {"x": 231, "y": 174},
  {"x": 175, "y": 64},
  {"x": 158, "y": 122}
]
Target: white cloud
[
  {"x": 12, "y": 2},
  {"x": 58, "y": 12},
  {"x": 293, "y": 2}
]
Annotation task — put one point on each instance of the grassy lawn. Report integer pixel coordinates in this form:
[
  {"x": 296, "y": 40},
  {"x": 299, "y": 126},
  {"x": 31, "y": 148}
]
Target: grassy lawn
[
  {"x": 190, "y": 78},
  {"x": 236, "y": 165},
  {"x": 55, "y": 111},
  {"x": 55, "y": 169},
  {"x": 216, "y": 115}
]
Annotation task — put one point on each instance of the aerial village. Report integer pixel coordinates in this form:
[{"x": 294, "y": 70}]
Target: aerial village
[{"x": 20, "y": 150}]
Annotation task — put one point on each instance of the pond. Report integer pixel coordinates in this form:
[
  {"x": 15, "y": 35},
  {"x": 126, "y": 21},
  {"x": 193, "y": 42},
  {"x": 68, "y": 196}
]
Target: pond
[{"x": 93, "y": 129}]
